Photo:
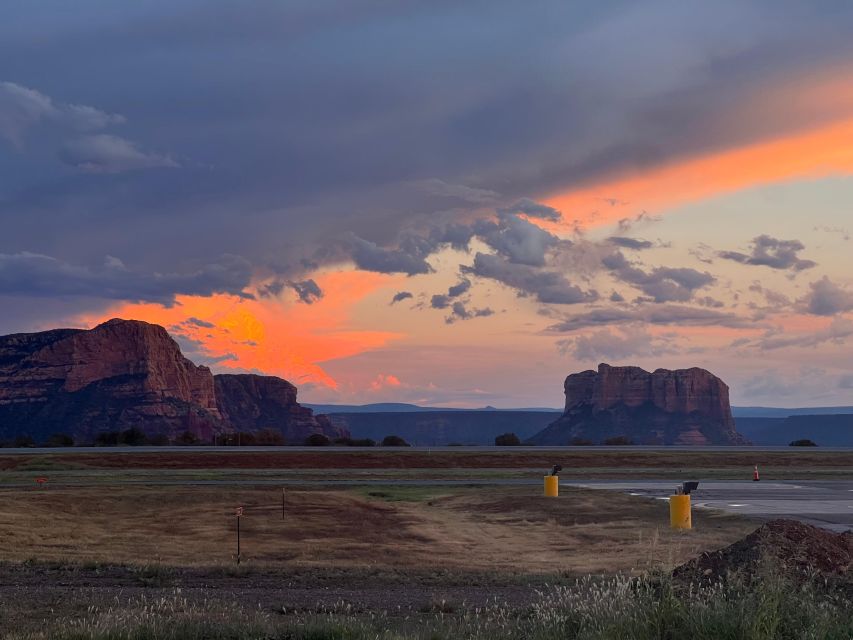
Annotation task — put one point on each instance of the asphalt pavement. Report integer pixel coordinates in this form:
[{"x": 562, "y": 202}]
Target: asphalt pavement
[{"x": 824, "y": 503}]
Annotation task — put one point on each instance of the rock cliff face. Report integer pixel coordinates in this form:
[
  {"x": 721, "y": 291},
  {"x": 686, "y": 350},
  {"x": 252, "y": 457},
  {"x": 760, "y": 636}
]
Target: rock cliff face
[
  {"x": 250, "y": 402},
  {"x": 686, "y": 406},
  {"x": 121, "y": 374}
]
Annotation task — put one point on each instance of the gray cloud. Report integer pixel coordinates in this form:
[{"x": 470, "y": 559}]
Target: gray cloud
[
  {"x": 104, "y": 153},
  {"x": 771, "y": 252},
  {"x": 826, "y": 298},
  {"x": 630, "y": 243},
  {"x": 837, "y": 333},
  {"x": 22, "y": 108},
  {"x": 271, "y": 289},
  {"x": 663, "y": 284},
  {"x": 664, "y": 314},
  {"x": 35, "y": 275},
  {"x": 533, "y": 209},
  {"x": 545, "y": 286},
  {"x": 308, "y": 291},
  {"x": 371, "y": 257},
  {"x": 460, "y": 312},
  {"x": 522, "y": 242},
  {"x": 617, "y": 345},
  {"x": 441, "y": 301},
  {"x": 317, "y": 128},
  {"x": 196, "y": 322},
  {"x": 400, "y": 296}
]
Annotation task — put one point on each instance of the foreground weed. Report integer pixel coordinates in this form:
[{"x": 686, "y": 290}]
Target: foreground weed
[{"x": 760, "y": 607}]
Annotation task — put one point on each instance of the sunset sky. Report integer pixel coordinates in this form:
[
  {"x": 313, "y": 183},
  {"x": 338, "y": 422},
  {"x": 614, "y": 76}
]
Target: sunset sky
[{"x": 448, "y": 203}]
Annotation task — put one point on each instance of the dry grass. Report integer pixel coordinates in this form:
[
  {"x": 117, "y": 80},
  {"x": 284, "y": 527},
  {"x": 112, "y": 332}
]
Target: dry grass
[
  {"x": 495, "y": 528},
  {"x": 500, "y": 458}
]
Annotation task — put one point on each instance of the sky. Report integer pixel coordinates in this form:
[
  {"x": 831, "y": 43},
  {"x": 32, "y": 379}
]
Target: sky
[{"x": 448, "y": 203}]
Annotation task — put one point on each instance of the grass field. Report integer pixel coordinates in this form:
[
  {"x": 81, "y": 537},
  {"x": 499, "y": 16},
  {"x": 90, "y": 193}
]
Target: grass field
[
  {"x": 483, "y": 529},
  {"x": 119, "y": 556}
]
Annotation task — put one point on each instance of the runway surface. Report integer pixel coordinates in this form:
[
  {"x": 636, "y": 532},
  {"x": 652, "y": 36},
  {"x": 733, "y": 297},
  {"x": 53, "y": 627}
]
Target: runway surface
[{"x": 824, "y": 503}]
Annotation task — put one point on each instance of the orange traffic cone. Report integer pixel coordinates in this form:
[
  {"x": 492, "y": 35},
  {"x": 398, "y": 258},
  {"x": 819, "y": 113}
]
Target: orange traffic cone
[{"x": 755, "y": 477}]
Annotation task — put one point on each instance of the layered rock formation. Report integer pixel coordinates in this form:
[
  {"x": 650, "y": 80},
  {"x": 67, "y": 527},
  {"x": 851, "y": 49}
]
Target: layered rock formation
[
  {"x": 250, "y": 402},
  {"x": 121, "y": 374},
  {"x": 686, "y": 406}
]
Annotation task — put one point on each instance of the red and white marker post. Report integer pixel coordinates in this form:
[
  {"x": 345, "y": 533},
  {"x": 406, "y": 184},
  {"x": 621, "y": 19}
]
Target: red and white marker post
[{"x": 755, "y": 476}]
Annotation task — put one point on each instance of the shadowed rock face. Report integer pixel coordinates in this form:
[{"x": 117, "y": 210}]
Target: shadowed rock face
[
  {"x": 121, "y": 374},
  {"x": 686, "y": 406},
  {"x": 249, "y": 402}
]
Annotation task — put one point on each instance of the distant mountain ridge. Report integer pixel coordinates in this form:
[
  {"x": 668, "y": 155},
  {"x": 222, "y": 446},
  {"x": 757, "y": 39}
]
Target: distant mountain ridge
[{"x": 404, "y": 407}]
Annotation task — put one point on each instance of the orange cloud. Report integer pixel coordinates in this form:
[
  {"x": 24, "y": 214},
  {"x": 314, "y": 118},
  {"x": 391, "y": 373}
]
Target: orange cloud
[
  {"x": 383, "y": 381},
  {"x": 827, "y": 150},
  {"x": 274, "y": 336}
]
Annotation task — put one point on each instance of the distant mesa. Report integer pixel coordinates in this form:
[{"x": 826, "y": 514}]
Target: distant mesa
[
  {"x": 127, "y": 373},
  {"x": 682, "y": 407}
]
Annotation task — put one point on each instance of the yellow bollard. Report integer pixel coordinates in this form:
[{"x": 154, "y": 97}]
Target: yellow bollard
[
  {"x": 679, "y": 512},
  {"x": 552, "y": 486}
]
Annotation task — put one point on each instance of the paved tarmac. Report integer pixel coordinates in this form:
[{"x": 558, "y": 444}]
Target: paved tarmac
[{"x": 824, "y": 503}]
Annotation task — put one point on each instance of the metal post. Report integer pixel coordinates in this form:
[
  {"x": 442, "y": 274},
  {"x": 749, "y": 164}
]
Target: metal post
[
  {"x": 282, "y": 503},
  {"x": 238, "y": 539}
]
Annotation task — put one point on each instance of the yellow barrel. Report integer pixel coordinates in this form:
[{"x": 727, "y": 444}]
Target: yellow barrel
[
  {"x": 552, "y": 486},
  {"x": 679, "y": 512}
]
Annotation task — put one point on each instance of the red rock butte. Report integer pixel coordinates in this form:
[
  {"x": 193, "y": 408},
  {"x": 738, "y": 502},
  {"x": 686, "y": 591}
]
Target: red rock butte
[
  {"x": 128, "y": 373},
  {"x": 685, "y": 406}
]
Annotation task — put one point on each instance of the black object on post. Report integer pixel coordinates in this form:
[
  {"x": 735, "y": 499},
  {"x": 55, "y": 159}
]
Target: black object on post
[
  {"x": 687, "y": 487},
  {"x": 556, "y": 469}
]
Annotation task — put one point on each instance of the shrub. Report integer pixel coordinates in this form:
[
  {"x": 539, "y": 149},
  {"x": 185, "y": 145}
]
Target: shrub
[
  {"x": 24, "y": 441},
  {"x": 106, "y": 439},
  {"x": 581, "y": 442},
  {"x": 317, "y": 440},
  {"x": 187, "y": 438},
  {"x": 159, "y": 440},
  {"x": 59, "y": 440},
  {"x": 394, "y": 441},
  {"x": 805, "y": 442},
  {"x": 132, "y": 437},
  {"x": 507, "y": 440},
  {"x": 269, "y": 438},
  {"x": 618, "y": 441},
  {"x": 357, "y": 442}
]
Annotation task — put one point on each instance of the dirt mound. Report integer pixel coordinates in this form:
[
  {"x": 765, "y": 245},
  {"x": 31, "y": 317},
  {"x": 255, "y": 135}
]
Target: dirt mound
[{"x": 796, "y": 548}]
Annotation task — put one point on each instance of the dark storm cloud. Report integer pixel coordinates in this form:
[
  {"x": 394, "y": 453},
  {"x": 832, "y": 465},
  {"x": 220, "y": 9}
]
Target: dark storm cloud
[
  {"x": 663, "y": 284},
  {"x": 30, "y": 274},
  {"x": 827, "y": 298},
  {"x": 400, "y": 296},
  {"x": 297, "y": 123},
  {"x": 308, "y": 291},
  {"x": 546, "y": 286},
  {"x": 371, "y": 257},
  {"x": 771, "y": 252},
  {"x": 271, "y": 289}
]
